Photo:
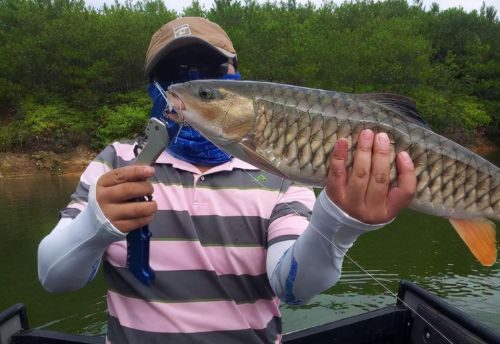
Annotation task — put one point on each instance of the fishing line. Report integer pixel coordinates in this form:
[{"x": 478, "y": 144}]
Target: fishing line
[{"x": 360, "y": 267}]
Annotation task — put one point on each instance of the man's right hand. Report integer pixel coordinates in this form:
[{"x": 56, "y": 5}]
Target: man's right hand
[{"x": 116, "y": 192}]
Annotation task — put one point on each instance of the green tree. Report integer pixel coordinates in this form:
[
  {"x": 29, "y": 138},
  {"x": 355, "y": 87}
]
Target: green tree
[{"x": 63, "y": 65}]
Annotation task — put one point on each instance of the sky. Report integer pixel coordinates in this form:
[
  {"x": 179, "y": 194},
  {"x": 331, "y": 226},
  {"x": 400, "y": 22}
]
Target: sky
[{"x": 179, "y": 5}]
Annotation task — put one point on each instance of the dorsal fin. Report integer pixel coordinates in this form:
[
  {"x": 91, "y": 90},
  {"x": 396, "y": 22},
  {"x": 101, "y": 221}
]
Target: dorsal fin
[{"x": 404, "y": 106}]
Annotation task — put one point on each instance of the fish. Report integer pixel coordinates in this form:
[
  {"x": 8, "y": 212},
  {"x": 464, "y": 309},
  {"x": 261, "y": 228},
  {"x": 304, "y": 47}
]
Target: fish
[{"x": 290, "y": 131}]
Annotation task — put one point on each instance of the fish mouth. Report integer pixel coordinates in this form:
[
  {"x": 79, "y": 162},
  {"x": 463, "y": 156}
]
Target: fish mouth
[{"x": 175, "y": 108}]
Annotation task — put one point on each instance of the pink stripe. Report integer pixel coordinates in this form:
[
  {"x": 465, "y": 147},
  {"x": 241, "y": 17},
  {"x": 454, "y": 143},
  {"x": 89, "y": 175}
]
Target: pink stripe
[
  {"x": 124, "y": 150},
  {"x": 190, "y": 255},
  {"x": 80, "y": 205},
  {"x": 226, "y": 202},
  {"x": 94, "y": 170},
  {"x": 301, "y": 194},
  {"x": 166, "y": 158},
  {"x": 237, "y": 260},
  {"x": 189, "y": 317},
  {"x": 287, "y": 225}
]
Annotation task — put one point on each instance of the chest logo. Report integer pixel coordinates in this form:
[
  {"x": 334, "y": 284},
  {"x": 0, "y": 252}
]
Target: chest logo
[{"x": 261, "y": 178}]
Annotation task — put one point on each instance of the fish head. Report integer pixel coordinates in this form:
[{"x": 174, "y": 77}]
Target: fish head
[{"x": 219, "y": 109}]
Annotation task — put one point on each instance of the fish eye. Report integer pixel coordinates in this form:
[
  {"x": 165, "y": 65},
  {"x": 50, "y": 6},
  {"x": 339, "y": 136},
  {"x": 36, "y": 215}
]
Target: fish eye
[{"x": 206, "y": 93}]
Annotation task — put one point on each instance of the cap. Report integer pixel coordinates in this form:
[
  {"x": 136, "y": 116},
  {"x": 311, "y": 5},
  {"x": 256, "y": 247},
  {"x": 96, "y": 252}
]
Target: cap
[{"x": 186, "y": 31}]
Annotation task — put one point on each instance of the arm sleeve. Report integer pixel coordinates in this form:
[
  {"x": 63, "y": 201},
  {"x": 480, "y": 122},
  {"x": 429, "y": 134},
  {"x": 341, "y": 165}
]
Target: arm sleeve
[
  {"x": 69, "y": 257},
  {"x": 302, "y": 268}
]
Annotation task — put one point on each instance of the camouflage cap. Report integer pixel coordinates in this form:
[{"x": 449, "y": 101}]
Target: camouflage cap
[{"x": 185, "y": 31}]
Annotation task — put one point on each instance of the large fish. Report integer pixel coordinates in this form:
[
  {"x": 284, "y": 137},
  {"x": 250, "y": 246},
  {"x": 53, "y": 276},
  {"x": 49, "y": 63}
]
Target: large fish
[{"x": 290, "y": 131}]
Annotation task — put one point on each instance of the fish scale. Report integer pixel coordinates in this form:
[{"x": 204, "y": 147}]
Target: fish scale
[
  {"x": 291, "y": 130},
  {"x": 429, "y": 164}
]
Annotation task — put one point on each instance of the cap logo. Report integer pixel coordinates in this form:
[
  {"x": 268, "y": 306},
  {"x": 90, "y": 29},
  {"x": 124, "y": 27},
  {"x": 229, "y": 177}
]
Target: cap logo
[{"x": 182, "y": 30}]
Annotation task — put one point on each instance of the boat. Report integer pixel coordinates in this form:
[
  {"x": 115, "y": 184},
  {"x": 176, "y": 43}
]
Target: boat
[{"x": 417, "y": 316}]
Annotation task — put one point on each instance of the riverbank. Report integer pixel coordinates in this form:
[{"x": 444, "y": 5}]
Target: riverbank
[{"x": 16, "y": 165}]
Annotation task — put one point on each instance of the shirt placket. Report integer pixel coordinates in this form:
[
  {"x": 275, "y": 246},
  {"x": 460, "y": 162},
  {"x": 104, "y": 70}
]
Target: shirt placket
[{"x": 199, "y": 197}]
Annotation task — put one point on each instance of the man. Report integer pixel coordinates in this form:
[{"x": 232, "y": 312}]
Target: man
[{"x": 228, "y": 240}]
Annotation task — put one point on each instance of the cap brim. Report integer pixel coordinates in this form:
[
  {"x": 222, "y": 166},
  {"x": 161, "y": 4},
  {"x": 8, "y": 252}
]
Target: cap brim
[{"x": 179, "y": 43}]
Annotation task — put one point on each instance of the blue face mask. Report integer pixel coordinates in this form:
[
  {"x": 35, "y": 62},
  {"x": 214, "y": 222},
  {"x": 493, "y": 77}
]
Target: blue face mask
[{"x": 186, "y": 143}]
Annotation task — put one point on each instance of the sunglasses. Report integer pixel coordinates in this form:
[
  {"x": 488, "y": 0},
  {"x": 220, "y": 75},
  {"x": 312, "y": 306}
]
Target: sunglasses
[{"x": 178, "y": 64}]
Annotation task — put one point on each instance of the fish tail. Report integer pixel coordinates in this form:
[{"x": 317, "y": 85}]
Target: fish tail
[{"x": 480, "y": 237}]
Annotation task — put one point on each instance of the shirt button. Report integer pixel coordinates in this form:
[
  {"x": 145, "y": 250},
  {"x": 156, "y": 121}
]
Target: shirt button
[{"x": 202, "y": 178}]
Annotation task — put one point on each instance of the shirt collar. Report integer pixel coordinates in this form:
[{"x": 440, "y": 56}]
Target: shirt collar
[{"x": 166, "y": 158}]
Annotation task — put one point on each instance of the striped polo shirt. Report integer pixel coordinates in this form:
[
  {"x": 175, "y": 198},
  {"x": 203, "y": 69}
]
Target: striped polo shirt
[{"x": 208, "y": 250}]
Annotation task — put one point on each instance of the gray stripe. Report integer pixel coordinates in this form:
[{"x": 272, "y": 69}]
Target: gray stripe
[
  {"x": 243, "y": 179},
  {"x": 108, "y": 156},
  {"x": 168, "y": 175},
  {"x": 216, "y": 230},
  {"x": 190, "y": 285},
  {"x": 69, "y": 212},
  {"x": 236, "y": 179},
  {"x": 118, "y": 334},
  {"x": 288, "y": 208},
  {"x": 81, "y": 193},
  {"x": 282, "y": 238}
]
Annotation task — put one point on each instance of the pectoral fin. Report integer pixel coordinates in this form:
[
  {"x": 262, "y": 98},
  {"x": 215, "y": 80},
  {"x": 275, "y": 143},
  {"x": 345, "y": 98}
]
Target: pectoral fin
[
  {"x": 480, "y": 236},
  {"x": 255, "y": 159}
]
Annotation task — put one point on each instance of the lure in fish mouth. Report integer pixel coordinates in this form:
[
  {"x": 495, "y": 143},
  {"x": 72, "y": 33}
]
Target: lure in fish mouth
[{"x": 175, "y": 108}]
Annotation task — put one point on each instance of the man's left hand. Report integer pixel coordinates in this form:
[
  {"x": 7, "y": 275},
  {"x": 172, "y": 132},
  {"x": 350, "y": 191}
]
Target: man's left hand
[{"x": 365, "y": 193}]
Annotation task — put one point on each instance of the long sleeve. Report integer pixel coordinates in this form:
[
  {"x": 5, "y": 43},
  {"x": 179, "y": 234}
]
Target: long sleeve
[
  {"x": 300, "y": 269},
  {"x": 69, "y": 257}
]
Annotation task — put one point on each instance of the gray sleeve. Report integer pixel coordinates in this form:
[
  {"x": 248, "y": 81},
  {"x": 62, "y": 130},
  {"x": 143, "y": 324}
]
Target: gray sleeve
[
  {"x": 303, "y": 268},
  {"x": 69, "y": 257}
]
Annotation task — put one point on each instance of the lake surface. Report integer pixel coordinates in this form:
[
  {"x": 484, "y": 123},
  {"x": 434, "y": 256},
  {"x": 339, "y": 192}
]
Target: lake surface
[{"x": 415, "y": 247}]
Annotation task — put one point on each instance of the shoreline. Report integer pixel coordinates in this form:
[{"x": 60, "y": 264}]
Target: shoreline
[
  {"x": 18, "y": 165},
  {"x": 73, "y": 163}
]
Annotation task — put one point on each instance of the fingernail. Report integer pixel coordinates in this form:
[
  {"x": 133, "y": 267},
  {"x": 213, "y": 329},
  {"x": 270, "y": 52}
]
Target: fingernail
[
  {"x": 405, "y": 157},
  {"x": 341, "y": 144},
  {"x": 383, "y": 139},
  {"x": 149, "y": 170},
  {"x": 367, "y": 136}
]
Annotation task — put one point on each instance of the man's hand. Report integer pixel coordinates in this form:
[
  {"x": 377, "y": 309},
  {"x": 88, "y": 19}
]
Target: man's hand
[
  {"x": 115, "y": 192},
  {"x": 365, "y": 194}
]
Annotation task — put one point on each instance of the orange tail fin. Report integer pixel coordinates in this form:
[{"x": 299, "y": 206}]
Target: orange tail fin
[{"x": 479, "y": 236}]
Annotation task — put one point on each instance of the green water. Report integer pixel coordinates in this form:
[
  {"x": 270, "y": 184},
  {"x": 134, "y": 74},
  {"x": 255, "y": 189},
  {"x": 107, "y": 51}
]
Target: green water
[
  {"x": 29, "y": 210},
  {"x": 416, "y": 247}
]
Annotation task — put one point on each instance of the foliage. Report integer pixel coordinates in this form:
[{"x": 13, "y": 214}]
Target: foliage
[
  {"x": 449, "y": 115},
  {"x": 53, "y": 126},
  {"x": 123, "y": 122},
  {"x": 71, "y": 74}
]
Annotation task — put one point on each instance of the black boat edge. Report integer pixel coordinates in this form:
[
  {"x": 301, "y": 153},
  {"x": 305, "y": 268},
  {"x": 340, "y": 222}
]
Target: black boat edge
[{"x": 417, "y": 317}]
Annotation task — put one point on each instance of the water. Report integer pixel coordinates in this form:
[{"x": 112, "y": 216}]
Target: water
[
  {"x": 29, "y": 208},
  {"x": 415, "y": 247}
]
